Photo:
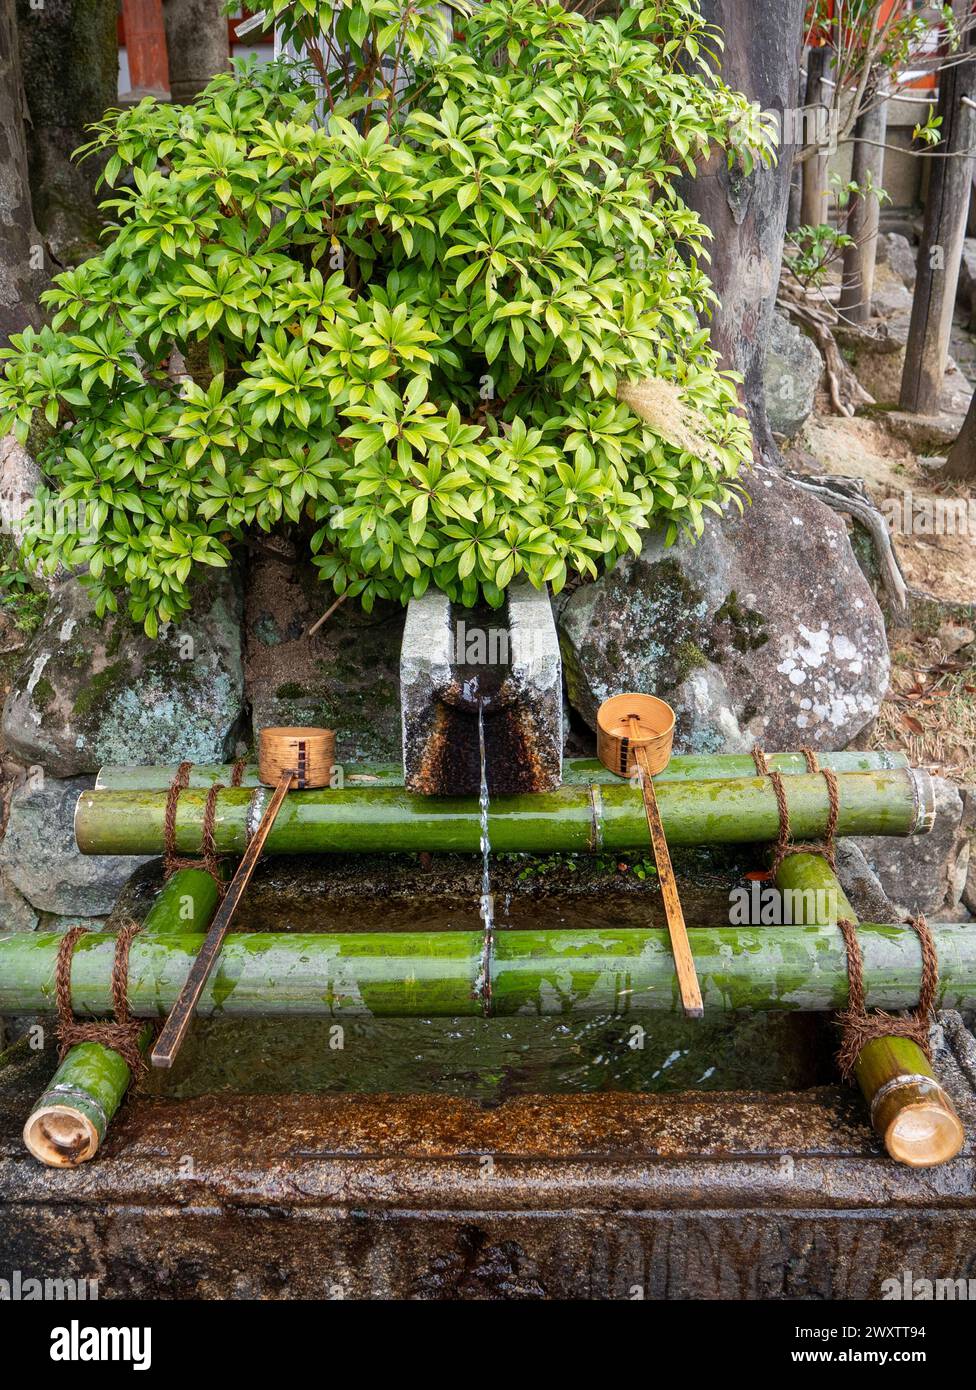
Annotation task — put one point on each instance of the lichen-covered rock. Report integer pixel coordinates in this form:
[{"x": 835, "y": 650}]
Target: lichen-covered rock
[
  {"x": 790, "y": 376},
  {"x": 40, "y": 860},
  {"x": 765, "y": 630},
  {"x": 20, "y": 478},
  {"x": 16, "y": 913},
  {"x": 345, "y": 677},
  {"x": 91, "y": 692}
]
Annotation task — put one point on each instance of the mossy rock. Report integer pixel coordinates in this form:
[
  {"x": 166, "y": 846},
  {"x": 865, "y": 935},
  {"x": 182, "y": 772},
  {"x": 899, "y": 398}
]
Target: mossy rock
[
  {"x": 90, "y": 692},
  {"x": 765, "y": 630}
]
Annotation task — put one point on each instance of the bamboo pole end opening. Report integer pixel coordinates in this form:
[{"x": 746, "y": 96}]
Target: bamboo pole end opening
[
  {"x": 60, "y": 1136},
  {"x": 923, "y": 789},
  {"x": 922, "y": 1132}
]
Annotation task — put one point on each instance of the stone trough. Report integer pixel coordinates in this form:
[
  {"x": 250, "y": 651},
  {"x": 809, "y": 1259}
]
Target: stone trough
[
  {"x": 529, "y": 1157},
  {"x": 557, "y": 1151}
]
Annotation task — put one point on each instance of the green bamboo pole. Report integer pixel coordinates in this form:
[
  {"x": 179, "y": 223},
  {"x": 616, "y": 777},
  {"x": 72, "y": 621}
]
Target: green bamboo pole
[
  {"x": 580, "y": 818},
  {"x": 690, "y": 767},
  {"x": 909, "y": 1109},
  {"x": 422, "y": 974},
  {"x": 69, "y": 1121}
]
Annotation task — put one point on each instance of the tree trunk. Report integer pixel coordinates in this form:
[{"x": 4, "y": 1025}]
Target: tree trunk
[
  {"x": 747, "y": 214},
  {"x": 867, "y": 170},
  {"x": 23, "y": 265},
  {"x": 197, "y": 44},
  {"x": 961, "y": 463},
  {"x": 942, "y": 240},
  {"x": 71, "y": 65},
  {"x": 813, "y": 201}
]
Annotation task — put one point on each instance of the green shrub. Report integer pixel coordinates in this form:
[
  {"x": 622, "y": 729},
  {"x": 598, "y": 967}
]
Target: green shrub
[{"x": 404, "y": 325}]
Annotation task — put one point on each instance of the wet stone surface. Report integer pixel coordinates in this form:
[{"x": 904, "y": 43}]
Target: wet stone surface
[
  {"x": 516, "y": 1158},
  {"x": 728, "y": 1195}
]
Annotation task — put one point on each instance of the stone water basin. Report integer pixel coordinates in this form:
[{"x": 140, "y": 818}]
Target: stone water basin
[
  {"x": 486, "y": 1060},
  {"x": 515, "y": 1158}
]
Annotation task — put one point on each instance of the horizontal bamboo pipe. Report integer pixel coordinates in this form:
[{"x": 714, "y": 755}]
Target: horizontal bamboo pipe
[
  {"x": 424, "y": 974},
  {"x": 580, "y": 818},
  {"x": 690, "y": 767},
  {"x": 909, "y": 1109},
  {"x": 69, "y": 1122}
]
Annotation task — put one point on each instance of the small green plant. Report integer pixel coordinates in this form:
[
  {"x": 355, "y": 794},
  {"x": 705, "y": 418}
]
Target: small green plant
[
  {"x": 812, "y": 250},
  {"x": 392, "y": 311},
  {"x": 19, "y": 599}
]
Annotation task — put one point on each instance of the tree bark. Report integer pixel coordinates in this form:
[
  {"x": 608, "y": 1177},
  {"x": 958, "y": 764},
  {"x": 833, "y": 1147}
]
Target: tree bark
[
  {"x": 747, "y": 213},
  {"x": 867, "y": 167},
  {"x": 197, "y": 44},
  {"x": 942, "y": 240},
  {"x": 961, "y": 463},
  {"x": 23, "y": 265},
  {"x": 71, "y": 64}
]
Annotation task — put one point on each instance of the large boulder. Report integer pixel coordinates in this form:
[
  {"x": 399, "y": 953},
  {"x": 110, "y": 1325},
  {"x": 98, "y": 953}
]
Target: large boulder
[
  {"x": 790, "y": 377},
  {"x": 91, "y": 692},
  {"x": 766, "y": 630},
  {"x": 926, "y": 873},
  {"x": 40, "y": 862},
  {"x": 897, "y": 251}
]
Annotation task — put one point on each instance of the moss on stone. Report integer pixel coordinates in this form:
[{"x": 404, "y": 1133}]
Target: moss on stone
[
  {"x": 100, "y": 687},
  {"x": 688, "y": 656},
  {"x": 748, "y": 626},
  {"x": 43, "y": 693}
]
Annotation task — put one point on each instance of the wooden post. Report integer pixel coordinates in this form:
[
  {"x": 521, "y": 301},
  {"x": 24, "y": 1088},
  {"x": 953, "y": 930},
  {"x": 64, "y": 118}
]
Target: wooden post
[
  {"x": 145, "y": 46},
  {"x": 813, "y": 201},
  {"x": 940, "y": 253},
  {"x": 867, "y": 169}
]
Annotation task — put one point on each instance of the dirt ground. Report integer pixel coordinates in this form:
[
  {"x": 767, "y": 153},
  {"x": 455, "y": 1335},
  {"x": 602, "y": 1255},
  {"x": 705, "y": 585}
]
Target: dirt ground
[{"x": 930, "y": 709}]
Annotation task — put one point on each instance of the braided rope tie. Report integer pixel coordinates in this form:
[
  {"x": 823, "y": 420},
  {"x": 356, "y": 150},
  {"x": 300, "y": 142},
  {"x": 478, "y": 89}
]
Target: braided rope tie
[
  {"x": 784, "y": 843},
  {"x": 172, "y": 859},
  {"x": 122, "y": 1035},
  {"x": 858, "y": 1026}
]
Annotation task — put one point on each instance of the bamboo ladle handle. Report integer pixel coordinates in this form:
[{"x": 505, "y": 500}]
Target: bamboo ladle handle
[
  {"x": 684, "y": 961},
  {"x": 175, "y": 1028}
]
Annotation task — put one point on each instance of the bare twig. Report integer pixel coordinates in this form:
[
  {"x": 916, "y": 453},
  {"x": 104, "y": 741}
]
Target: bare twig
[{"x": 326, "y": 615}]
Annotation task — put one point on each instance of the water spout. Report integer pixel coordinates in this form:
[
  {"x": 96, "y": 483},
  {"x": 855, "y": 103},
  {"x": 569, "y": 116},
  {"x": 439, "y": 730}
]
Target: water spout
[{"x": 487, "y": 906}]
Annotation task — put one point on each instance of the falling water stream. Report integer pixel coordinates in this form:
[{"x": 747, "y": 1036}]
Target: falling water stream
[{"x": 487, "y": 899}]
